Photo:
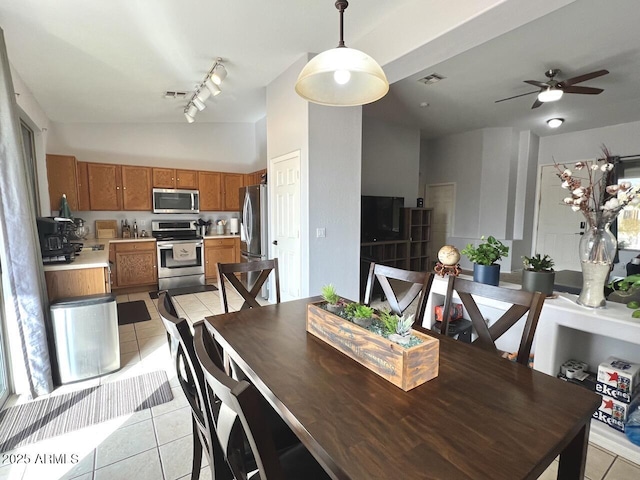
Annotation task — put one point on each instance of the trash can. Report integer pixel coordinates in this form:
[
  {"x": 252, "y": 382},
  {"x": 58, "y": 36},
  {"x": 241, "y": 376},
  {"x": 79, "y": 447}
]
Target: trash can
[{"x": 85, "y": 337}]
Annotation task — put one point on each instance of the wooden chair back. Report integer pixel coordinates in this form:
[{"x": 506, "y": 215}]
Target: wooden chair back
[
  {"x": 241, "y": 406},
  {"x": 522, "y": 303},
  {"x": 192, "y": 382},
  {"x": 420, "y": 287},
  {"x": 228, "y": 270}
]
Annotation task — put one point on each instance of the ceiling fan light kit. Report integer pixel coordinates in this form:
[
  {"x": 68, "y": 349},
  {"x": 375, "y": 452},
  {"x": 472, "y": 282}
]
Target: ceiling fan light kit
[
  {"x": 207, "y": 88},
  {"x": 555, "y": 122},
  {"x": 342, "y": 76},
  {"x": 550, "y": 95}
]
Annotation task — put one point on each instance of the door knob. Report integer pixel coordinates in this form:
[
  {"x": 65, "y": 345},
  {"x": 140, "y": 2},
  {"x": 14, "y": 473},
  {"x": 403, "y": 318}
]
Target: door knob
[{"x": 275, "y": 242}]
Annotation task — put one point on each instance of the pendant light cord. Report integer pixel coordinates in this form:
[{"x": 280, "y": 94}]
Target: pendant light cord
[{"x": 341, "y": 5}]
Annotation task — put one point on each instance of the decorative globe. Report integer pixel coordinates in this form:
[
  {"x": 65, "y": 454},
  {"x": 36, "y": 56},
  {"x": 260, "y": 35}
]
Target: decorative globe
[{"x": 449, "y": 255}]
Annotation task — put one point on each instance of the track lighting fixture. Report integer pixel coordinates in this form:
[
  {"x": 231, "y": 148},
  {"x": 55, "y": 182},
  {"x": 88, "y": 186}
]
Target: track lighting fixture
[
  {"x": 342, "y": 76},
  {"x": 208, "y": 88}
]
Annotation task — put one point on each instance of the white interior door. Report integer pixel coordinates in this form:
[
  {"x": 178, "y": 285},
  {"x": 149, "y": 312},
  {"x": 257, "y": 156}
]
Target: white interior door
[
  {"x": 441, "y": 198},
  {"x": 559, "y": 228},
  {"x": 285, "y": 198}
]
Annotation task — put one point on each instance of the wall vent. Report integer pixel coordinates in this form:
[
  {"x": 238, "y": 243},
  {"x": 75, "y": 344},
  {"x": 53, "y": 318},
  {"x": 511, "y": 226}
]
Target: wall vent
[
  {"x": 174, "y": 94},
  {"x": 431, "y": 79}
]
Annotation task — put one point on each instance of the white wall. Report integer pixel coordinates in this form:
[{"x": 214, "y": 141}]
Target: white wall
[
  {"x": 207, "y": 146},
  {"x": 390, "y": 160},
  {"x": 260, "y": 161},
  {"x": 622, "y": 139},
  {"x": 335, "y": 153}
]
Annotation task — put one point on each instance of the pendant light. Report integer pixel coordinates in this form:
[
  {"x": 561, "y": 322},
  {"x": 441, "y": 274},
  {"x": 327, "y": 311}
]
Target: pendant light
[{"x": 342, "y": 76}]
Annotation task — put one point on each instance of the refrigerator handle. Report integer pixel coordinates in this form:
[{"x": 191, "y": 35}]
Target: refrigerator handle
[{"x": 245, "y": 218}]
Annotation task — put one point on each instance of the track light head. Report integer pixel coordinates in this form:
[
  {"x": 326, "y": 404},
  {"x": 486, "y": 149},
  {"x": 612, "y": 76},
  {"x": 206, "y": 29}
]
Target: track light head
[
  {"x": 219, "y": 73},
  {"x": 213, "y": 88},
  {"x": 200, "y": 105},
  {"x": 190, "y": 112}
]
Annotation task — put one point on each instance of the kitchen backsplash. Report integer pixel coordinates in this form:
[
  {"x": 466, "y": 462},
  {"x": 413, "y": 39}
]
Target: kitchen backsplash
[{"x": 144, "y": 219}]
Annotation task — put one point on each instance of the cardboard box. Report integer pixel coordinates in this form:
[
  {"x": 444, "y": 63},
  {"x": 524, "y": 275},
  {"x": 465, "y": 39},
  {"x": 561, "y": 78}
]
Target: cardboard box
[
  {"x": 614, "y": 413},
  {"x": 622, "y": 378}
]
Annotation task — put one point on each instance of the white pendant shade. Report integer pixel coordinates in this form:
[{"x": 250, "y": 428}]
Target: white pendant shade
[{"x": 342, "y": 77}]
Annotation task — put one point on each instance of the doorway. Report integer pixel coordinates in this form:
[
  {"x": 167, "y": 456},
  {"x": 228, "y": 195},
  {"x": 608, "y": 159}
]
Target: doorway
[
  {"x": 441, "y": 198},
  {"x": 284, "y": 185},
  {"x": 559, "y": 227}
]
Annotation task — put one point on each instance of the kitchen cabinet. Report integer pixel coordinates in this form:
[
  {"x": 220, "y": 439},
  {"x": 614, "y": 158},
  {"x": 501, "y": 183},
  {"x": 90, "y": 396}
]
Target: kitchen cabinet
[
  {"x": 113, "y": 277},
  {"x": 136, "y": 188},
  {"x": 175, "y": 178},
  {"x": 77, "y": 283},
  {"x": 255, "y": 178},
  {"x": 105, "y": 186},
  {"x": 219, "y": 250},
  {"x": 62, "y": 178},
  {"x": 83, "y": 186},
  {"x": 231, "y": 183},
  {"x": 210, "y": 191},
  {"x": 136, "y": 264}
]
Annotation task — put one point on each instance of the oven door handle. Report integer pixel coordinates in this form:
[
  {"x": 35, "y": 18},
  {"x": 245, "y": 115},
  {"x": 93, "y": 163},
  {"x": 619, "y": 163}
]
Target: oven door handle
[{"x": 170, "y": 245}]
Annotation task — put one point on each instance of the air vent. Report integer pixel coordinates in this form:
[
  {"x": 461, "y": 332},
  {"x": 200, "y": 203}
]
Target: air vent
[
  {"x": 174, "y": 94},
  {"x": 431, "y": 79}
]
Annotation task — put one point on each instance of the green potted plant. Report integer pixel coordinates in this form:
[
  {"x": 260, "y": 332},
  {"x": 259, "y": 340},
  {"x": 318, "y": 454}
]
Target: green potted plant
[
  {"x": 359, "y": 314},
  {"x": 484, "y": 258},
  {"x": 329, "y": 295},
  {"x": 538, "y": 274}
]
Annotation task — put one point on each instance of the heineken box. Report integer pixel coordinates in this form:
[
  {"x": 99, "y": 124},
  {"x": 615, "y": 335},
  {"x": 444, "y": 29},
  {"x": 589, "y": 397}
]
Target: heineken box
[
  {"x": 618, "y": 379},
  {"x": 614, "y": 412}
]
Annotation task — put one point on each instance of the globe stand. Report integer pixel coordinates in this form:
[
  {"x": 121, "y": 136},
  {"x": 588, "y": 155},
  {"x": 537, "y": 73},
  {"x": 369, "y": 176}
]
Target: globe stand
[{"x": 442, "y": 269}]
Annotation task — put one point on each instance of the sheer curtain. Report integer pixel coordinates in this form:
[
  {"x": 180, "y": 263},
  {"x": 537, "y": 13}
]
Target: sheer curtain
[{"x": 23, "y": 278}]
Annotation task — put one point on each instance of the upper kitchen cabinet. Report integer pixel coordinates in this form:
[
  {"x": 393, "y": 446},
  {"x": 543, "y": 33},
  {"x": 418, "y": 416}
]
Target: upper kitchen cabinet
[
  {"x": 62, "y": 178},
  {"x": 172, "y": 178},
  {"x": 136, "y": 188},
  {"x": 210, "y": 187},
  {"x": 105, "y": 186},
  {"x": 231, "y": 183},
  {"x": 84, "y": 202}
]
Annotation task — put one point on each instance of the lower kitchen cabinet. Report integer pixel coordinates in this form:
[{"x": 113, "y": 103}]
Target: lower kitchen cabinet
[
  {"x": 77, "y": 283},
  {"x": 219, "y": 250},
  {"x": 135, "y": 264}
]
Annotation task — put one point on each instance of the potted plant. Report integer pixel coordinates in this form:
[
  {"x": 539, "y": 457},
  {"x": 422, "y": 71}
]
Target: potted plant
[
  {"x": 484, "y": 258},
  {"x": 398, "y": 328},
  {"x": 359, "y": 314},
  {"x": 538, "y": 274},
  {"x": 329, "y": 295}
]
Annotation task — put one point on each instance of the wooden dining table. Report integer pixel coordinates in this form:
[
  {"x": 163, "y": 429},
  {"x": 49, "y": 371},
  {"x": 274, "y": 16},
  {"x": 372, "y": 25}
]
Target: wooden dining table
[{"x": 482, "y": 417}]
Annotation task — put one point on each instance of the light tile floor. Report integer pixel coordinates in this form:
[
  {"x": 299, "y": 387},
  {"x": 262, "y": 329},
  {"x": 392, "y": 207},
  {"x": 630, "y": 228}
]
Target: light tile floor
[{"x": 155, "y": 444}]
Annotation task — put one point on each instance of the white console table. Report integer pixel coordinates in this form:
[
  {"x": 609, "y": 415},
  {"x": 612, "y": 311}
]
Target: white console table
[{"x": 568, "y": 331}]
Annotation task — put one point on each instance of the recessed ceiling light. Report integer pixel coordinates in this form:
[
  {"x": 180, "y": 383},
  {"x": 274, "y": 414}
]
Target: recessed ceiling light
[
  {"x": 431, "y": 79},
  {"x": 424, "y": 104},
  {"x": 555, "y": 122}
]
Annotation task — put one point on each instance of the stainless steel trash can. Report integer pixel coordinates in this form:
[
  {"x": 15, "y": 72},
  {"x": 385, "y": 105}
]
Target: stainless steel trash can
[{"x": 85, "y": 335}]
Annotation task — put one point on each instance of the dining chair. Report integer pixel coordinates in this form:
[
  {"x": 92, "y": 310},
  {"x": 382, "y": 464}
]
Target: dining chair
[
  {"x": 522, "y": 303},
  {"x": 261, "y": 270},
  {"x": 419, "y": 285},
  {"x": 242, "y": 411},
  {"x": 191, "y": 379}
]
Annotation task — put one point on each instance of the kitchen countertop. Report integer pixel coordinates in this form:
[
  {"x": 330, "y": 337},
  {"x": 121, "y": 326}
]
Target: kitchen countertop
[
  {"x": 89, "y": 258},
  {"x": 225, "y": 235}
]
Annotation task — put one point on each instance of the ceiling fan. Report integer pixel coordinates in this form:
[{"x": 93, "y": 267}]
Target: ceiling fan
[{"x": 553, "y": 89}]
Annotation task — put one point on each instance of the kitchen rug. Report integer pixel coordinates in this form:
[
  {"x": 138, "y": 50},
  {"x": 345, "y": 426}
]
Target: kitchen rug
[
  {"x": 132, "y": 312},
  {"x": 174, "y": 292},
  {"x": 59, "y": 414}
]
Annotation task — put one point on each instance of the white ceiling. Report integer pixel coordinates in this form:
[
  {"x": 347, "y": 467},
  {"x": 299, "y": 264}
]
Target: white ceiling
[
  {"x": 112, "y": 61},
  {"x": 582, "y": 37}
]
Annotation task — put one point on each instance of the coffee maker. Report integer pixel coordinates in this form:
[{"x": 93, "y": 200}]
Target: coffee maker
[{"x": 53, "y": 233}]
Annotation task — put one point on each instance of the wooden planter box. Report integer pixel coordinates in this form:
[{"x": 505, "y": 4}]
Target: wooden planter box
[{"x": 404, "y": 367}]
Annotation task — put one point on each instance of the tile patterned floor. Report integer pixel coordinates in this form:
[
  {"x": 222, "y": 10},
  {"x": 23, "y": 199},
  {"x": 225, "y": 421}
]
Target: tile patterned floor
[{"x": 155, "y": 444}]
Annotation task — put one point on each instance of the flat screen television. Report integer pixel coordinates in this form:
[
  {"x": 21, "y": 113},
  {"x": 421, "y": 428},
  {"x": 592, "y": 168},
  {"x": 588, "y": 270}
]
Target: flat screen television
[{"x": 381, "y": 218}]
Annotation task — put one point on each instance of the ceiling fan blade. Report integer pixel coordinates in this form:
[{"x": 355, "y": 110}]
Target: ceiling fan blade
[
  {"x": 536, "y": 104},
  {"x": 536, "y": 83},
  {"x": 584, "y": 78},
  {"x": 583, "y": 90},
  {"x": 515, "y": 96}
]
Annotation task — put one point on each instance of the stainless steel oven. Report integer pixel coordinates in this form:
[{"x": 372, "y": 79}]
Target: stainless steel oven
[{"x": 180, "y": 254}]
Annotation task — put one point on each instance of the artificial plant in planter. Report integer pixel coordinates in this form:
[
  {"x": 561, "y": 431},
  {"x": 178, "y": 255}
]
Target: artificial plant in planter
[
  {"x": 538, "y": 274},
  {"x": 484, "y": 258},
  {"x": 329, "y": 295}
]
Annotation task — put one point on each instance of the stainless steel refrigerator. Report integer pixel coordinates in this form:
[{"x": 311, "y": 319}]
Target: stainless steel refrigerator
[{"x": 253, "y": 230}]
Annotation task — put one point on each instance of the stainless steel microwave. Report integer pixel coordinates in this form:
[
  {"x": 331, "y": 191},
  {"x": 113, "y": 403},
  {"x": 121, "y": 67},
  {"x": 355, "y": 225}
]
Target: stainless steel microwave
[{"x": 169, "y": 200}]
